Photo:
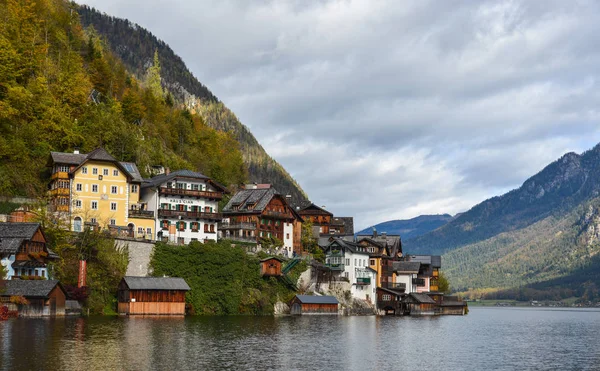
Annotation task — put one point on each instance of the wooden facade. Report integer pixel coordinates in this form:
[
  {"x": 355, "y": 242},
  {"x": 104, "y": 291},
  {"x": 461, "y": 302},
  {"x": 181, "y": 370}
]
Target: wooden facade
[
  {"x": 152, "y": 296},
  {"x": 44, "y": 297},
  {"x": 317, "y": 216},
  {"x": 306, "y": 304},
  {"x": 270, "y": 267}
]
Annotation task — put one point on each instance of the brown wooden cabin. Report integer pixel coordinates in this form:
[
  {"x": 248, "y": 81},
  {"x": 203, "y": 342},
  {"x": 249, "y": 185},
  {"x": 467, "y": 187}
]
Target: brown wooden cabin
[
  {"x": 308, "y": 304},
  {"x": 419, "y": 304},
  {"x": 320, "y": 217},
  {"x": 453, "y": 305},
  {"x": 45, "y": 297},
  {"x": 23, "y": 246},
  {"x": 388, "y": 301},
  {"x": 152, "y": 295},
  {"x": 271, "y": 266}
]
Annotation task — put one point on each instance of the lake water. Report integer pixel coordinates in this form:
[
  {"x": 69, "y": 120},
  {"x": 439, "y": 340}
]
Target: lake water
[{"x": 486, "y": 339}]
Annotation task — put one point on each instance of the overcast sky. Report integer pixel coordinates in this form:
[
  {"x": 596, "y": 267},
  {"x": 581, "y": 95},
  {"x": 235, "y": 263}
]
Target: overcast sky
[{"x": 390, "y": 109}]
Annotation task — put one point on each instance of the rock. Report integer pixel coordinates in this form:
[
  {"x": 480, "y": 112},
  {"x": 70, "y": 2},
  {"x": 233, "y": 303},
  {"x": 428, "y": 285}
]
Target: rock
[{"x": 281, "y": 308}]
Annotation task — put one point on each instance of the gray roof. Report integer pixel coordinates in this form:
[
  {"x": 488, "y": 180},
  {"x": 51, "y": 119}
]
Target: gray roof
[
  {"x": 344, "y": 244},
  {"x": 68, "y": 158},
  {"x": 156, "y": 283},
  {"x": 310, "y": 299},
  {"x": 162, "y": 178},
  {"x": 419, "y": 298},
  {"x": 132, "y": 169},
  {"x": 242, "y": 200},
  {"x": 433, "y": 260},
  {"x": 98, "y": 154},
  {"x": 406, "y": 267},
  {"x": 12, "y": 235},
  {"x": 29, "y": 288},
  {"x": 348, "y": 224}
]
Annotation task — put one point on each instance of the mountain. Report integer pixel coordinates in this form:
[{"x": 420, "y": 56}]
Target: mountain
[
  {"x": 410, "y": 228},
  {"x": 135, "y": 46},
  {"x": 535, "y": 240}
]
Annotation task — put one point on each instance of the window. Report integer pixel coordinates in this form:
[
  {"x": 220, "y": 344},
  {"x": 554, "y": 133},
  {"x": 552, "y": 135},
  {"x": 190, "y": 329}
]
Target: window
[
  {"x": 105, "y": 172},
  {"x": 181, "y": 185},
  {"x": 212, "y": 228},
  {"x": 195, "y": 226},
  {"x": 354, "y": 261},
  {"x": 114, "y": 190},
  {"x": 93, "y": 220},
  {"x": 205, "y": 228},
  {"x": 134, "y": 188},
  {"x": 149, "y": 231},
  {"x": 94, "y": 205},
  {"x": 79, "y": 187},
  {"x": 78, "y": 204},
  {"x": 386, "y": 297},
  {"x": 347, "y": 261},
  {"x": 372, "y": 261},
  {"x": 115, "y": 172},
  {"x": 181, "y": 240},
  {"x": 165, "y": 224},
  {"x": 287, "y": 236},
  {"x": 113, "y": 222},
  {"x": 63, "y": 169},
  {"x": 94, "y": 171},
  {"x": 113, "y": 206},
  {"x": 84, "y": 170},
  {"x": 140, "y": 230},
  {"x": 195, "y": 187},
  {"x": 95, "y": 188},
  {"x": 181, "y": 226}
]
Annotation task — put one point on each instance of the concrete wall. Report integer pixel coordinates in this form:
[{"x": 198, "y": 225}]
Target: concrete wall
[{"x": 139, "y": 256}]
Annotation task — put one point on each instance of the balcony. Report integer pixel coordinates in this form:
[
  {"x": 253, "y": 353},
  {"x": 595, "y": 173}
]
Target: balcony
[
  {"x": 335, "y": 266},
  {"x": 247, "y": 226},
  {"x": 418, "y": 281},
  {"x": 58, "y": 208},
  {"x": 191, "y": 193},
  {"x": 189, "y": 214},
  {"x": 60, "y": 192},
  {"x": 144, "y": 214},
  {"x": 396, "y": 286},
  {"x": 248, "y": 239},
  {"x": 60, "y": 175},
  {"x": 277, "y": 214}
]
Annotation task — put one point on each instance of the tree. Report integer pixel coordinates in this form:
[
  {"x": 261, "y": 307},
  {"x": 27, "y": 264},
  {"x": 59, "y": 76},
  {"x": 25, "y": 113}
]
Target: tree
[
  {"x": 2, "y": 272},
  {"x": 309, "y": 243},
  {"x": 153, "y": 78},
  {"x": 443, "y": 284}
]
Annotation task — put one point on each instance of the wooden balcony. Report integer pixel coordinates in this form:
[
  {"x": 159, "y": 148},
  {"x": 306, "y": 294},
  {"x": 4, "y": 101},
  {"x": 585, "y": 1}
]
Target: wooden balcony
[
  {"x": 144, "y": 214},
  {"x": 418, "y": 281},
  {"x": 189, "y": 214},
  {"x": 60, "y": 175},
  {"x": 246, "y": 226},
  {"x": 191, "y": 193},
  {"x": 335, "y": 266},
  {"x": 277, "y": 214},
  {"x": 396, "y": 286},
  {"x": 60, "y": 192}
]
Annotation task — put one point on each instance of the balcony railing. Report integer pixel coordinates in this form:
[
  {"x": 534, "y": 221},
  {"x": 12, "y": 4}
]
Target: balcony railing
[
  {"x": 237, "y": 226},
  {"x": 60, "y": 175},
  {"x": 276, "y": 214},
  {"x": 192, "y": 193},
  {"x": 148, "y": 214},
  {"x": 363, "y": 280},
  {"x": 396, "y": 286},
  {"x": 60, "y": 192},
  {"x": 190, "y": 214},
  {"x": 240, "y": 239},
  {"x": 418, "y": 281},
  {"x": 335, "y": 266},
  {"x": 58, "y": 208}
]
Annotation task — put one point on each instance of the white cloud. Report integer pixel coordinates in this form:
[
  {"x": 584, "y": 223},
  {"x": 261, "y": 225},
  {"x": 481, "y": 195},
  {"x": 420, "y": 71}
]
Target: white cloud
[{"x": 392, "y": 109}]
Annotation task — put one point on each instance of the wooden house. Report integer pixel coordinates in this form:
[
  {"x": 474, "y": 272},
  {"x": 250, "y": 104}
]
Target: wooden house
[
  {"x": 318, "y": 216},
  {"x": 270, "y": 266},
  {"x": 307, "y": 304},
  {"x": 44, "y": 297},
  {"x": 23, "y": 250},
  {"x": 418, "y": 304},
  {"x": 389, "y": 301},
  {"x": 453, "y": 305},
  {"x": 254, "y": 214},
  {"x": 152, "y": 295}
]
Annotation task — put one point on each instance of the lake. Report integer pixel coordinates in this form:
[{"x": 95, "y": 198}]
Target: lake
[{"x": 487, "y": 338}]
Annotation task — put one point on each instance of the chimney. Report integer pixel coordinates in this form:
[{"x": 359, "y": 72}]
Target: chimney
[
  {"x": 76, "y": 150},
  {"x": 374, "y": 232}
]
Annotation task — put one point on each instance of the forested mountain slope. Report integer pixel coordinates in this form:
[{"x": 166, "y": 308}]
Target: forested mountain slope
[
  {"x": 135, "y": 46},
  {"x": 410, "y": 228},
  {"x": 554, "y": 191}
]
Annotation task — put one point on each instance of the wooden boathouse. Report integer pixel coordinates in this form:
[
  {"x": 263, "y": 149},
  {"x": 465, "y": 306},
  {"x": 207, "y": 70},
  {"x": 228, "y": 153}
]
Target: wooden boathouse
[
  {"x": 42, "y": 297},
  {"x": 308, "y": 304},
  {"x": 270, "y": 266},
  {"x": 152, "y": 295}
]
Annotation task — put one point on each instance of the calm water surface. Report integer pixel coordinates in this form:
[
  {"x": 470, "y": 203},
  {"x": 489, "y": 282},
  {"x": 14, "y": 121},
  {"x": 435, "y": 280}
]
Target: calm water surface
[{"x": 486, "y": 339}]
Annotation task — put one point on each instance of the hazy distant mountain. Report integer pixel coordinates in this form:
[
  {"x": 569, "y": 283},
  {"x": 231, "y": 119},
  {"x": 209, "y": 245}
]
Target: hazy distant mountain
[{"x": 410, "y": 228}]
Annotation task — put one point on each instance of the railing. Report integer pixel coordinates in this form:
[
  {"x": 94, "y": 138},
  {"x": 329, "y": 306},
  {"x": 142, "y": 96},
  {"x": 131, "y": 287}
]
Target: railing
[
  {"x": 133, "y": 213},
  {"x": 276, "y": 214},
  {"x": 58, "y": 208},
  {"x": 434, "y": 288},
  {"x": 396, "y": 286},
  {"x": 418, "y": 281},
  {"x": 192, "y": 193},
  {"x": 363, "y": 280},
  {"x": 237, "y": 226},
  {"x": 335, "y": 267},
  {"x": 190, "y": 214},
  {"x": 60, "y": 192},
  {"x": 60, "y": 175},
  {"x": 240, "y": 239}
]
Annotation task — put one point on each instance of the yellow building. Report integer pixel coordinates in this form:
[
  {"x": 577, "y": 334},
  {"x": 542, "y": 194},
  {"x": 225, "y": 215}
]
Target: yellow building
[{"x": 95, "y": 190}]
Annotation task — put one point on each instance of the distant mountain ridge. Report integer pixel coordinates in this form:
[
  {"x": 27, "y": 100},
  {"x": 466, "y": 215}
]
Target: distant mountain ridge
[
  {"x": 410, "y": 228},
  {"x": 135, "y": 46}
]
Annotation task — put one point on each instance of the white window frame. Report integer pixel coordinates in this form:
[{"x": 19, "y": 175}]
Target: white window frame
[
  {"x": 84, "y": 170},
  {"x": 105, "y": 172},
  {"x": 115, "y": 189},
  {"x": 92, "y": 204},
  {"x": 134, "y": 188},
  {"x": 78, "y": 204},
  {"x": 95, "y": 186},
  {"x": 79, "y": 187},
  {"x": 94, "y": 171},
  {"x": 113, "y": 222},
  {"x": 113, "y": 206},
  {"x": 115, "y": 172}
]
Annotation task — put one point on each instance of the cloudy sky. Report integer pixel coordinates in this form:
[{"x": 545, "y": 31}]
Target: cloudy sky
[{"x": 391, "y": 109}]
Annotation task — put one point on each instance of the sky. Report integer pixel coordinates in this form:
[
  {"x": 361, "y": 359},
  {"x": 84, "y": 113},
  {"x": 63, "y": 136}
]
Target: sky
[{"x": 388, "y": 110}]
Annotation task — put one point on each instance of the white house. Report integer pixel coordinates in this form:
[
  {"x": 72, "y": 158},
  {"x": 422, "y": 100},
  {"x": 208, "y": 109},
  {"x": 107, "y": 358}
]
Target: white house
[
  {"x": 351, "y": 261},
  {"x": 185, "y": 204},
  {"x": 23, "y": 250},
  {"x": 406, "y": 275}
]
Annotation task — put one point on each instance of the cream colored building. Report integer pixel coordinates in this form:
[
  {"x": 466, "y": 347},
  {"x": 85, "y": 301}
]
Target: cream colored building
[{"x": 95, "y": 190}]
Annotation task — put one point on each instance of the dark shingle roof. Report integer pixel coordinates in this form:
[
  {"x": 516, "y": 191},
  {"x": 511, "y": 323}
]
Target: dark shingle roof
[
  {"x": 348, "y": 224},
  {"x": 12, "y": 235},
  {"x": 406, "y": 267},
  {"x": 100, "y": 154},
  {"x": 272, "y": 257},
  {"x": 67, "y": 158},
  {"x": 156, "y": 283},
  {"x": 419, "y": 298},
  {"x": 133, "y": 171},
  {"x": 245, "y": 198},
  {"x": 29, "y": 288},
  {"x": 310, "y": 299},
  {"x": 352, "y": 246},
  {"x": 162, "y": 178}
]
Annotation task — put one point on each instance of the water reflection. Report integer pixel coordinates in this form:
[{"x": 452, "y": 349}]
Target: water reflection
[{"x": 485, "y": 339}]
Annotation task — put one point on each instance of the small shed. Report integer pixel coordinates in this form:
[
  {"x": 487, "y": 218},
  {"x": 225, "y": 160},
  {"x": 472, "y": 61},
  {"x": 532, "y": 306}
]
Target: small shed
[
  {"x": 308, "y": 304},
  {"x": 152, "y": 295},
  {"x": 271, "y": 266},
  {"x": 419, "y": 304},
  {"x": 454, "y": 305},
  {"x": 44, "y": 297}
]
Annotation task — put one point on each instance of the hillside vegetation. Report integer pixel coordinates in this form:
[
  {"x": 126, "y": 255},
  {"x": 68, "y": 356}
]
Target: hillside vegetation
[
  {"x": 61, "y": 88},
  {"x": 410, "y": 228},
  {"x": 135, "y": 46}
]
